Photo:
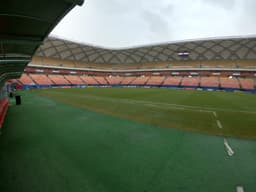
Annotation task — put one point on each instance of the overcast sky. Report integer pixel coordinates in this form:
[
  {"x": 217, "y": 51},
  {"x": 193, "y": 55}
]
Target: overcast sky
[{"x": 126, "y": 23}]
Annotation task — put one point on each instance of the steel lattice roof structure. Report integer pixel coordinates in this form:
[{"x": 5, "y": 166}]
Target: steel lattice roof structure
[{"x": 210, "y": 49}]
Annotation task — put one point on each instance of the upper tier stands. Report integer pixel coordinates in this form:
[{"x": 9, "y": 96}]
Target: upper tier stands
[
  {"x": 41, "y": 79},
  {"x": 229, "y": 83},
  {"x": 153, "y": 65}
]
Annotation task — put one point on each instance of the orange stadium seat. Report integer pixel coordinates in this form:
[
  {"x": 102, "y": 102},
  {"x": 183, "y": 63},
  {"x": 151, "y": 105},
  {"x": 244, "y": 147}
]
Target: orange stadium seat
[
  {"x": 26, "y": 80},
  {"x": 155, "y": 80},
  {"x": 89, "y": 80},
  {"x": 142, "y": 80},
  {"x": 209, "y": 82},
  {"x": 41, "y": 79},
  {"x": 101, "y": 80},
  {"x": 73, "y": 79},
  {"x": 229, "y": 83},
  {"x": 190, "y": 81},
  {"x": 127, "y": 80},
  {"x": 172, "y": 81},
  {"x": 246, "y": 83},
  {"x": 114, "y": 80},
  {"x": 58, "y": 79}
]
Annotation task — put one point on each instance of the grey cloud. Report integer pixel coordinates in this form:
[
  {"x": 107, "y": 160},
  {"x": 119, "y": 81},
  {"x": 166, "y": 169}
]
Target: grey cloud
[
  {"x": 227, "y": 4},
  {"x": 157, "y": 24},
  {"x": 122, "y": 23}
]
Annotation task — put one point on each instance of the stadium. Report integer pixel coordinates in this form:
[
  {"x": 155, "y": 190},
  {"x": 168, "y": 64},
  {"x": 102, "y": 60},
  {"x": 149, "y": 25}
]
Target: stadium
[{"x": 176, "y": 116}]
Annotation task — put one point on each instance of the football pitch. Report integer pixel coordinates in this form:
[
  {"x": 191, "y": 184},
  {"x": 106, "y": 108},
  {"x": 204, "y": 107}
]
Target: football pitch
[{"x": 129, "y": 139}]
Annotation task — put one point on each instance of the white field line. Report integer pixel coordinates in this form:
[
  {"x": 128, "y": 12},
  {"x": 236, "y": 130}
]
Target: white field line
[
  {"x": 219, "y": 124},
  {"x": 171, "y": 105},
  {"x": 239, "y": 189},
  {"x": 228, "y": 148},
  {"x": 214, "y": 113}
]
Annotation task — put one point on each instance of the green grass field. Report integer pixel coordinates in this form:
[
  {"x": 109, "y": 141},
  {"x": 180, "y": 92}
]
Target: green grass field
[
  {"x": 118, "y": 139},
  {"x": 190, "y": 110}
]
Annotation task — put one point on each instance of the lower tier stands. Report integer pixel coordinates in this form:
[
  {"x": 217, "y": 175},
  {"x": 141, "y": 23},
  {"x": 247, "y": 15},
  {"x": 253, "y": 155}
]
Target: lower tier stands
[
  {"x": 231, "y": 83},
  {"x": 209, "y": 82},
  {"x": 114, "y": 80},
  {"x": 247, "y": 84},
  {"x": 169, "y": 81},
  {"x": 172, "y": 81},
  {"x": 155, "y": 80},
  {"x": 58, "y": 79},
  {"x": 26, "y": 80},
  {"x": 89, "y": 80},
  {"x": 101, "y": 80},
  {"x": 140, "y": 80},
  {"x": 127, "y": 80},
  {"x": 73, "y": 79},
  {"x": 190, "y": 81},
  {"x": 41, "y": 79}
]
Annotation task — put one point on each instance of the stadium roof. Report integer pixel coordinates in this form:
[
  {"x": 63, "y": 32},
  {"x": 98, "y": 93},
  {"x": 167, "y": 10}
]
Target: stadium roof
[
  {"x": 232, "y": 48},
  {"x": 23, "y": 27}
]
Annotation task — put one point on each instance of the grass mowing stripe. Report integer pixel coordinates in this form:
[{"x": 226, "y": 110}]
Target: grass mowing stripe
[
  {"x": 152, "y": 107},
  {"x": 177, "y": 106}
]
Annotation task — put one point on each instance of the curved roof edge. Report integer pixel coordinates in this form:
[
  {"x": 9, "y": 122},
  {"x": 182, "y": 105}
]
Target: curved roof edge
[
  {"x": 154, "y": 44},
  {"x": 231, "y": 48}
]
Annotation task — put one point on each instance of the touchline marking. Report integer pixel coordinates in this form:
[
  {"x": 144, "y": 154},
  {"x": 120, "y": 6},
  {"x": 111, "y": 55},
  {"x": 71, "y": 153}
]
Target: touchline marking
[
  {"x": 214, "y": 113},
  {"x": 219, "y": 124},
  {"x": 228, "y": 148},
  {"x": 239, "y": 189}
]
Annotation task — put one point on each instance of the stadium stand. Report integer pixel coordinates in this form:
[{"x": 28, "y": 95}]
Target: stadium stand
[
  {"x": 155, "y": 80},
  {"x": 41, "y": 79},
  {"x": 89, "y": 80},
  {"x": 247, "y": 84},
  {"x": 172, "y": 81},
  {"x": 26, "y": 80},
  {"x": 58, "y": 79},
  {"x": 114, "y": 80},
  {"x": 74, "y": 79},
  {"x": 190, "y": 82},
  {"x": 209, "y": 82},
  {"x": 127, "y": 80},
  {"x": 101, "y": 80},
  {"x": 142, "y": 80},
  {"x": 229, "y": 83}
]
